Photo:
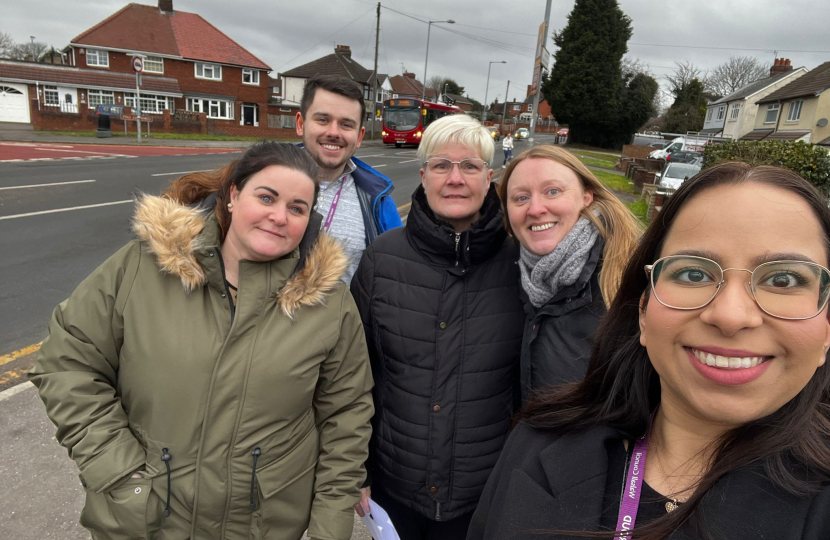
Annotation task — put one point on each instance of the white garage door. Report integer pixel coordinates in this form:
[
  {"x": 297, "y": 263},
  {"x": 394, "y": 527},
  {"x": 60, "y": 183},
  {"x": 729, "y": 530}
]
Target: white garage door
[{"x": 14, "y": 102}]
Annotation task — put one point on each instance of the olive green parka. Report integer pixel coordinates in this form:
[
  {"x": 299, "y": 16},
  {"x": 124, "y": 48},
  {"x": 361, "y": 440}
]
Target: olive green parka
[{"x": 261, "y": 411}]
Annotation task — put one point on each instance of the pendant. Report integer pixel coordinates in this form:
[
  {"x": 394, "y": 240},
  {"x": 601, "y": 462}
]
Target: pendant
[{"x": 671, "y": 505}]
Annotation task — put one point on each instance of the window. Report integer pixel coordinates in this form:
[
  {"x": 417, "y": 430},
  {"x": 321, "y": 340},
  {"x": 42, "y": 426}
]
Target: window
[
  {"x": 517, "y": 107},
  {"x": 772, "y": 113},
  {"x": 794, "y": 114},
  {"x": 709, "y": 115},
  {"x": 736, "y": 110},
  {"x": 149, "y": 103},
  {"x": 100, "y": 97},
  {"x": 530, "y": 107},
  {"x": 250, "y": 76},
  {"x": 367, "y": 92},
  {"x": 50, "y": 95},
  {"x": 154, "y": 64},
  {"x": 214, "y": 108},
  {"x": 721, "y": 111},
  {"x": 208, "y": 71},
  {"x": 96, "y": 57},
  {"x": 288, "y": 122}
]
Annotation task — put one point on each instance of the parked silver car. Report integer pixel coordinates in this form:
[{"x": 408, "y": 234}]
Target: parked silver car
[{"x": 675, "y": 174}]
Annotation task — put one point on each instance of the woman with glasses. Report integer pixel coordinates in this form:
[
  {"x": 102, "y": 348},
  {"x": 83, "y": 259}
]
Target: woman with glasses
[
  {"x": 439, "y": 303},
  {"x": 705, "y": 412},
  {"x": 575, "y": 239}
]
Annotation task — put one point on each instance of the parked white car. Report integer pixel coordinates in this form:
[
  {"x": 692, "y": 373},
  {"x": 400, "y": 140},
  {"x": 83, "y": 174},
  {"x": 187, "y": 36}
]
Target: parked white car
[{"x": 675, "y": 174}]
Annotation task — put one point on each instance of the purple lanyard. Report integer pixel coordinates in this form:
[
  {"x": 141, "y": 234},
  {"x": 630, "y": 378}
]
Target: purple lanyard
[
  {"x": 334, "y": 202},
  {"x": 633, "y": 488}
]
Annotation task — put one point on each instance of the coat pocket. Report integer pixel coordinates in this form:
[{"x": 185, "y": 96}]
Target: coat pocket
[
  {"x": 123, "y": 513},
  {"x": 286, "y": 491}
]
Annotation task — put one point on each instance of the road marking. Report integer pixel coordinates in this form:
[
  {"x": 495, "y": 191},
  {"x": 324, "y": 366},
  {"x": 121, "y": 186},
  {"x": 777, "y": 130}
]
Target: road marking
[
  {"x": 14, "y": 390},
  {"x": 81, "y": 152},
  {"x": 65, "y": 209},
  {"x": 25, "y": 351},
  {"x": 48, "y": 185},
  {"x": 183, "y": 172},
  {"x": 404, "y": 206},
  {"x": 377, "y": 166},
  {"x": 408, "y": 161}
]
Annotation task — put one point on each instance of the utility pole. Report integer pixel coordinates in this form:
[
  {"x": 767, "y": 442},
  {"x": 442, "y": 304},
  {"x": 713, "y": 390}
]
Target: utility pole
[
  {"x": 504, "y": 107},
  {"x": 535, "y": 112},
  {"x": 375, "y": 82}
]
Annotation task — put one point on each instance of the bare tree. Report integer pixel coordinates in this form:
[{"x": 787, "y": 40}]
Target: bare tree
[
  {"x": 632, "y": 66},
  {"x": 685, "y": 73},
  {"x": 6, "y": 45},
  {"x": 436, "y": 82},
  {"x": 28, "y": 51},
  {"x": 735, "y": 73}
]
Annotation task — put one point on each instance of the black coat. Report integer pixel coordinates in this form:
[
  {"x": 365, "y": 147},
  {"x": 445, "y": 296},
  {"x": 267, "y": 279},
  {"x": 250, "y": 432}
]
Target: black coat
[
  {"x": 443, "y": 323},
  {"x": 545, "y": 481},
  {"x": 558, "y": 336}
]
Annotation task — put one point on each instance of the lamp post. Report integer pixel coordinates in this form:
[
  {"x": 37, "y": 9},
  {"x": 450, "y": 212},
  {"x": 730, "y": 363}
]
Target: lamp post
[
  {"x": 487, "y": 88},
  {"x": 426, "y": 60}
]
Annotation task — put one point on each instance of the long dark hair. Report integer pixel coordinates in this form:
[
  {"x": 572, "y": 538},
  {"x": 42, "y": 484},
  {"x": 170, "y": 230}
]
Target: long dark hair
[
  {"x": 195, "y": 187},
  {"x": 621, "y": 387}
]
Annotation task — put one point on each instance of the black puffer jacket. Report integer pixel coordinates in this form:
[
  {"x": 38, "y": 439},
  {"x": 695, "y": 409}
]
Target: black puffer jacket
[
  {"x": 558, "y": 336},
  {"x": 443, "y": 321}
]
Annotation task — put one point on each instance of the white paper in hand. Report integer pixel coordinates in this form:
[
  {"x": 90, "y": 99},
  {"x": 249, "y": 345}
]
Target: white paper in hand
[{"x": 379, "y": 524}]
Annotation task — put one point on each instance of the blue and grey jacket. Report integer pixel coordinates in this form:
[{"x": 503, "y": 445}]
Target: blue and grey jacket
[{"x": 375, "y": 194}]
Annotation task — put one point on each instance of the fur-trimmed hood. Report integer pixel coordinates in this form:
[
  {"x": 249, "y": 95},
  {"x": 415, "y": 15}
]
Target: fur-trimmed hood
[{"x": 176, "y": 233}]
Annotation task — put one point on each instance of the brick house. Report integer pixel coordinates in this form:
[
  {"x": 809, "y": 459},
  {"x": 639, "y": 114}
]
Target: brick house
[
  {"x": 192, "y": 72},
  {"x": 521, "y": 112},
  {"x": 407, "y": 85}
]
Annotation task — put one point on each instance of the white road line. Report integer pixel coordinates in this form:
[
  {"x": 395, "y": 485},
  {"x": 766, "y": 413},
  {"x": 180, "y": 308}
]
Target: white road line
[
  {"x": 408, "y": 161},
  {"x": 182, "y": 172},
  {"x": 48, "y": 185},
  {"x": 14, "y": 390},
  {"x": 81, "y": 152},
  {"x": 376, "y": 166},
  {"x": 65, "y": 209}
]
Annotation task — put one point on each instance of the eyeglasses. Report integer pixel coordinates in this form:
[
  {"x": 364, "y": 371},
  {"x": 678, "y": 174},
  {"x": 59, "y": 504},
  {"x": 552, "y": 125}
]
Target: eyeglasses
[
  {"x": 793, "y": 290},
  {"x": 468, "y": 166}
]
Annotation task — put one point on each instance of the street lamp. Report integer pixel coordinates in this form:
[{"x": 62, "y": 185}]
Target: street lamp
[
  {"x": 32, "y": 49},
  {"x": 486, "y": 88},
  {"x": 429, "y": 27}
]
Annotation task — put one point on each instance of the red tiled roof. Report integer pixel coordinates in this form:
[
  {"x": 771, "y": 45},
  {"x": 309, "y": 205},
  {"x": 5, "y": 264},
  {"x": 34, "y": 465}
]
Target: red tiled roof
[
  {"x": 137, "y": 27},
  {"x": 56, "y": 74},
  {"x": 408, "y": 86}
]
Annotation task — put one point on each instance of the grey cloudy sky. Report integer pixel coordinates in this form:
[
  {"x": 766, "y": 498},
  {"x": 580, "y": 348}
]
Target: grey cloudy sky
[{"x": 286, "y": 34}]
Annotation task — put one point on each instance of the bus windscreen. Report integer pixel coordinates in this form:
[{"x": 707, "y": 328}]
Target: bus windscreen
[{"x": 402, "y": 118}]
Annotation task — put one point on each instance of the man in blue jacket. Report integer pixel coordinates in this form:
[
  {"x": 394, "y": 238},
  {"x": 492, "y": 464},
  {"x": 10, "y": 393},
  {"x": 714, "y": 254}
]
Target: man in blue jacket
[{"x": 355, "y": 199}]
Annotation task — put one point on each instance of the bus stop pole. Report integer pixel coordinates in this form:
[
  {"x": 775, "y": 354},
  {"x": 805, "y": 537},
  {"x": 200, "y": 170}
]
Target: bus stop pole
[
  {"x": 535, "y": 111},
  {"x": 138, "y": 103}
]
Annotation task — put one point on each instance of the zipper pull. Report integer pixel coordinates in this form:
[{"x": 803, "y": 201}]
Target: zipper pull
[
  {"x": 457, "y": 241},
  {"x": 437, "y": 511}
]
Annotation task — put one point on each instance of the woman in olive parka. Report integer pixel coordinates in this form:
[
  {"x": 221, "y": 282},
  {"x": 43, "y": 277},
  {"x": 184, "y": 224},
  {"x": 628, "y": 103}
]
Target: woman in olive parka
[{"x": 211, "y": 379}]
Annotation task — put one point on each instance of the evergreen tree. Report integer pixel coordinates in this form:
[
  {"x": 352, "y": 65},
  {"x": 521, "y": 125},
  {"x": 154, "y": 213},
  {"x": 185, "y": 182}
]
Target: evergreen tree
[
  {"x": 637, "y": 105},
  {"x": 585, "y": 88},
  {"x": 688, "y": 111}
]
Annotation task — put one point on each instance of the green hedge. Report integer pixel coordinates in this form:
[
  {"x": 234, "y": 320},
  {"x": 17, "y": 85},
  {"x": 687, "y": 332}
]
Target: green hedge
[{"x": 810, "y": 161}]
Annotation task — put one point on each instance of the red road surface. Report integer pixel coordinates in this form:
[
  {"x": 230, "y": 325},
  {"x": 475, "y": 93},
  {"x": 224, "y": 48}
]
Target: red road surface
[{"x": 51, "y": 151}]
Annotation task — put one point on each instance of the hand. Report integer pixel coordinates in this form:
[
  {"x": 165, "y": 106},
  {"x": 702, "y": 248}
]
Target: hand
[
  {"x": 137, "y": 473},
  {"x": 362, "y": 508}
]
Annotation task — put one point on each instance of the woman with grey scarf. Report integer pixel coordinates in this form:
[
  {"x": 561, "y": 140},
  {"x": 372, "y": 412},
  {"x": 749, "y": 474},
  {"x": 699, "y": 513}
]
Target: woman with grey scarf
[{"x": 575, "y": 237}]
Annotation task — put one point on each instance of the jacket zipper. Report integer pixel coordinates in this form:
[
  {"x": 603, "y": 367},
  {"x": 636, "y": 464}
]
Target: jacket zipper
[
  {"x": 437, "y": 511},
  {"x": 224, "y": 281},
  {"x": 457, "y": 241}
]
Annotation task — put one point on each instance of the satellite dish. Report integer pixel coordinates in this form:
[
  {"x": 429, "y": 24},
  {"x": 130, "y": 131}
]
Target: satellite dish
[{"x": 822, "y": 122}]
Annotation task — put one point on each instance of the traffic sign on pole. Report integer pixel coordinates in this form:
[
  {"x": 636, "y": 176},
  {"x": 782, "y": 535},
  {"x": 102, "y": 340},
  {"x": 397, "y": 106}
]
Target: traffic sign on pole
[{"x": 138, "y": 64}]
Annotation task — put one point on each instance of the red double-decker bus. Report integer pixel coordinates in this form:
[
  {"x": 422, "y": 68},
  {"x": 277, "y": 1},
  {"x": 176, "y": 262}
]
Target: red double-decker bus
[{"x": 404, "y": 120}]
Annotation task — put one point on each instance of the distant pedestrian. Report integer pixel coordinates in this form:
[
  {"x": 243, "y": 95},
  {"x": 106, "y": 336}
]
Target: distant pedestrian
[
  {"x": 507, "y": 145},
  {"x": 211, "y": 378},
  {"x": 355, "y": 200}
]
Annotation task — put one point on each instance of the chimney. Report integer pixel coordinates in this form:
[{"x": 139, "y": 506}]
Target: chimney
[
  {"x": 782, "y": 65},
  {"x": 166, "y": 5},
  {"x": 345, "y": 50},
  {"x": 409, "y": 75}
]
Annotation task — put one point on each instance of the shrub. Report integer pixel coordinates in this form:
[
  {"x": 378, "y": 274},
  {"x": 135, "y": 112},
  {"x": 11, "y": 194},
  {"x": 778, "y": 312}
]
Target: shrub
[{"x": 810, "y": 161}]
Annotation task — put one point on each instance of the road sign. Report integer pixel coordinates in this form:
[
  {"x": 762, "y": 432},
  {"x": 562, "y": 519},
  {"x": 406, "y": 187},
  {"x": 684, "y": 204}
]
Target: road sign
[
  {"x": 134, "y": 117},
  {"x": 109, "y": 110},
  {"x": 138, "y": 64},
  {"x": 537, "y": 78}
]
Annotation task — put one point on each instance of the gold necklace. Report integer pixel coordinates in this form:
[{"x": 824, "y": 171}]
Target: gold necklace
[{"x": 672, "y": 503}]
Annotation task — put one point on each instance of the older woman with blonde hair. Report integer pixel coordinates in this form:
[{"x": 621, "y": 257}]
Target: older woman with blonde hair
[
  {"x": 575, "y": 239},
  {"x": 439, "y": 300}
]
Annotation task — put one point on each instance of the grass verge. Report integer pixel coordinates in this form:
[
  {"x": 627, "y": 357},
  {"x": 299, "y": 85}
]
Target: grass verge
[
  {"x": 601, "y": 163},
  {"x": 613, "y": 181},
  {"x": 639, "y": 209}
]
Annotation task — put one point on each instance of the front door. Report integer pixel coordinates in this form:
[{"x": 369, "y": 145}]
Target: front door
[{"x": 248, "y": 114}]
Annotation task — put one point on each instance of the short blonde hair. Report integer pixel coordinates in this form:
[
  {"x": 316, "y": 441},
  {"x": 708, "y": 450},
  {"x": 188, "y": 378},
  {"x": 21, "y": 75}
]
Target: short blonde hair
[{"x": 456, "y": 129}]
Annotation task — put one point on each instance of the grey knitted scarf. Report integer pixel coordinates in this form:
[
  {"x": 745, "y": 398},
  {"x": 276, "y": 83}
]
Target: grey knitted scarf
[{"x": 543, "y": 277}]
